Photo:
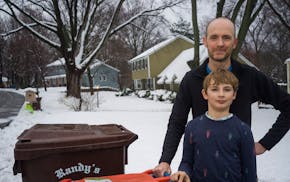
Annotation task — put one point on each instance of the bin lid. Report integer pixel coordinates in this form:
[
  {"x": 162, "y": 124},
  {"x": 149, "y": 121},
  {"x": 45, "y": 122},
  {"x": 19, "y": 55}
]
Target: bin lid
[{"x": 44, "y": 139}]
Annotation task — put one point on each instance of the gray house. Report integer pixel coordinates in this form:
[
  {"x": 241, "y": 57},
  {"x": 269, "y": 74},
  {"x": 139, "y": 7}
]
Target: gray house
[{"x": 104, "y": 76}]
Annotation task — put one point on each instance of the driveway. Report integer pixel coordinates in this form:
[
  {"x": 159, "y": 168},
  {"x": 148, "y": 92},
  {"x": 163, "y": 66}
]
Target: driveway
[{"x": 10, "y": 104}]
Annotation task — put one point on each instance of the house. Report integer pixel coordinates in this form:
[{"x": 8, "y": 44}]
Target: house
[
  {"x": 103, "y": 75},
  {"x": 287, "y": 62},
  {"x": 56, "y": 75},
  {"x": 172, "y": 75},
  {"x": 149, "y": 64}
]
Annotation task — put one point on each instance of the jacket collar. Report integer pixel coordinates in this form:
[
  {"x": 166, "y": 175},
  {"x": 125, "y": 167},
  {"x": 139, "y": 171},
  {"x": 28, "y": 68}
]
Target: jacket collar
[{"x": 201, "y": 70}]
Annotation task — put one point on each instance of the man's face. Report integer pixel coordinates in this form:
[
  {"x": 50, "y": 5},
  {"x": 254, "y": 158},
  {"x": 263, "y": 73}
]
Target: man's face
[{"x": 220, "y": 40}]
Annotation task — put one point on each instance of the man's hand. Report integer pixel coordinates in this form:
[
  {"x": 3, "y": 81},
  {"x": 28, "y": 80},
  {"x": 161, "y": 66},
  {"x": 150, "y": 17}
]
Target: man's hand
[
  {"x": 259, "y": 148},
  {"x": 180, "y": 176},
  {"x": 163, "y": 167}
]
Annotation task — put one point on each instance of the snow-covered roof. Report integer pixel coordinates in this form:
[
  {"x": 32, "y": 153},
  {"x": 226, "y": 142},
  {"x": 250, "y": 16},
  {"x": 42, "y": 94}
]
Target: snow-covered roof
[
  {"x": 58, "y": 62},
  {"x": 159, "y": 46},
  {"x": 30, "y": 89},
  {"x": 99, "y": 63},
  {"x": 55, "y": 76},
  {"x": 245, "y": 60},
  {"x": 178, "y": 67},
  {"x": 287, "y": 61}
]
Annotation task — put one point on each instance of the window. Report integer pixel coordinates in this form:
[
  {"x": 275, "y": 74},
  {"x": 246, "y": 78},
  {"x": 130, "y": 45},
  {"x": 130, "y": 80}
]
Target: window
[
  {"x": 137, "y": 84},
  {"x": 103, "y": 77}
]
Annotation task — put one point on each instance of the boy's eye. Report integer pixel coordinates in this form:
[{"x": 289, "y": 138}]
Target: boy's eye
[
  {"x": 228, "y": 89},
  {"x": 214, "y": 89}
]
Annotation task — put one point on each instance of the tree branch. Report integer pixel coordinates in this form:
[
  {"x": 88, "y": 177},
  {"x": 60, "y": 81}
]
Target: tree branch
[
  {"x": 29, "y": 16},
  {"x": 40, "y": 36},
  {"x": 45, "y": 9},
  {"x": 220, "y": 7},
  {"x": 236, "y": 10},
  {"x": 278, "y": 15}
]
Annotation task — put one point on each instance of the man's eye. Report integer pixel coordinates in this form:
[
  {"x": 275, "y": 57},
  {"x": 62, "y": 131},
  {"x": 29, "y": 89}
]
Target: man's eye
[{"x": 226, "y": 38}]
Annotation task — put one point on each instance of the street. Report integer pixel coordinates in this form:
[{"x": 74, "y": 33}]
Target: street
[{"x": 10, "y": 104}]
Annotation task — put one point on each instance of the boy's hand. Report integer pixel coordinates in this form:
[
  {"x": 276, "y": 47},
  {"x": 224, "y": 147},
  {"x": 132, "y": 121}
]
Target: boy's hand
[
  {"x": 161, "y": 169},
  {"x": 180, "y": 176}
]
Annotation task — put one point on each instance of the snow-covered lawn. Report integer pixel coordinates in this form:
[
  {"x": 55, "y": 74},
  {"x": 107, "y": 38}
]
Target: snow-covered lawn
[{"x": 148, "y": 119}]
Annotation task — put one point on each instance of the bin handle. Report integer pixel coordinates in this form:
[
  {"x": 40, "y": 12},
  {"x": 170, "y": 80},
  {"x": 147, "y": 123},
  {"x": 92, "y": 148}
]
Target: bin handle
[{"x": 165, "y": 178}]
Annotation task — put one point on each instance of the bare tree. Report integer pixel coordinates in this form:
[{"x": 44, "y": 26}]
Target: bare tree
[
  {"x": 73, "y": 23},
  {"x": 143, "y": 32}
]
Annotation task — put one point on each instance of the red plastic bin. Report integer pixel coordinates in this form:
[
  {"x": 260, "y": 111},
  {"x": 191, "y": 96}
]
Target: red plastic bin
[{"x": 134, "y": 177}]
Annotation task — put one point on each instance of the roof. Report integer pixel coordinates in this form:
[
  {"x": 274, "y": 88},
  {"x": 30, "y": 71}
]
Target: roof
[
  {"x": 243, "y": 58},
  {"x": 287, "y": 61},
  {"x": 178, "y": 67},
  {"x": 159, "y": 46},
  {"x": 99, "y": 63},
  {"x": 58, "y": 62}
]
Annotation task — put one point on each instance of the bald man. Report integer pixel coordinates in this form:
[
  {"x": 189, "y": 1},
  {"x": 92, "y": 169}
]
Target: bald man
[{"x": 220, "y": 41}]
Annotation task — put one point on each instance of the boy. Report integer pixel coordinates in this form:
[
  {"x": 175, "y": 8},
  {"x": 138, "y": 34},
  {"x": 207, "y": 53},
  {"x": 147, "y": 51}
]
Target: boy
[{"x": 218, "y": 146}]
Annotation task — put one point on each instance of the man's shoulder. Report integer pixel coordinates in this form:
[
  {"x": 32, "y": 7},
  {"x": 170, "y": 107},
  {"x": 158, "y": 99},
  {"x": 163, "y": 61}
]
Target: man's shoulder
[{"x": 195, "y": 73}]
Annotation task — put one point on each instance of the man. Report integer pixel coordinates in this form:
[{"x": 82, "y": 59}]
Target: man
[{"x": 254, "y": 86}]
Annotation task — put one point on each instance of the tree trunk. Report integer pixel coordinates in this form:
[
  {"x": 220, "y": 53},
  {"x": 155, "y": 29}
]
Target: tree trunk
[
  {"x": 73, "y": 79},
  {"x": 195, "y": 62},
  {"x": 91, "y": 83},
  {"x": 220, "y": 7},
  {"x": 246, "y": 22}
]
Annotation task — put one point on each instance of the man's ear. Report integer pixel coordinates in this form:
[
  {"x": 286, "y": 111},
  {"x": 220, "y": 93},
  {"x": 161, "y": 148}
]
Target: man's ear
[
  {"x": 203, "y": 92},
  {"x": 204, "y": 41},
  {"x": 235, "y": 43}
]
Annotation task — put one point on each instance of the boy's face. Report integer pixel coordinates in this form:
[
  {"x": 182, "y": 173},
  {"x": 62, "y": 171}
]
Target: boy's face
[{"x": 219, "y": 97}]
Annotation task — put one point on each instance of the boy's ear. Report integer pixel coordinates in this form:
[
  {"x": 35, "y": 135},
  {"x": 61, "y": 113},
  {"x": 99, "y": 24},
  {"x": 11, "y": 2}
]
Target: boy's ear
[
  {"x": 235, "y": 94},
  {"x": 203, "y": 92}
]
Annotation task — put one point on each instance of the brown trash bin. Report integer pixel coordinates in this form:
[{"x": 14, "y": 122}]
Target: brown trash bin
[{"x": 51, "y": 152}]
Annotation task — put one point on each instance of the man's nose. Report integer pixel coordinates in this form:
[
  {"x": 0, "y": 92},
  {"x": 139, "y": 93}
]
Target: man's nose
[{"x": 220, "y": 42}]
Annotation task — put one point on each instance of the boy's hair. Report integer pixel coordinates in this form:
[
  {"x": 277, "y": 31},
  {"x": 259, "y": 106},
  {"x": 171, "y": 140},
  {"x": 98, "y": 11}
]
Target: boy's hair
[{"x": 221, "y": 76}]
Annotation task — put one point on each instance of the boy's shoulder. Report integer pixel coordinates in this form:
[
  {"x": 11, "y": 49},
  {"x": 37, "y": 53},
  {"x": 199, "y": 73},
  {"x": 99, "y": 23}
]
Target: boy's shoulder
[
  {"x": 197, "y": 120},
  {"x": 241, "y": 124}
]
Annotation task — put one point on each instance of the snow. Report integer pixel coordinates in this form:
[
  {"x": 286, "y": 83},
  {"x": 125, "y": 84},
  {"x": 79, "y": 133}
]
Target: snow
[
  {"x": 147, "y": 118},
  {"x": 159, "y": 46},
  {"x": 178, "y": 67},
  {"x": 4, "y": 79}
]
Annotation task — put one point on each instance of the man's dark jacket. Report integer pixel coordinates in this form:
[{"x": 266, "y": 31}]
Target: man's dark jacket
[{"x": 254, "y": 86}]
